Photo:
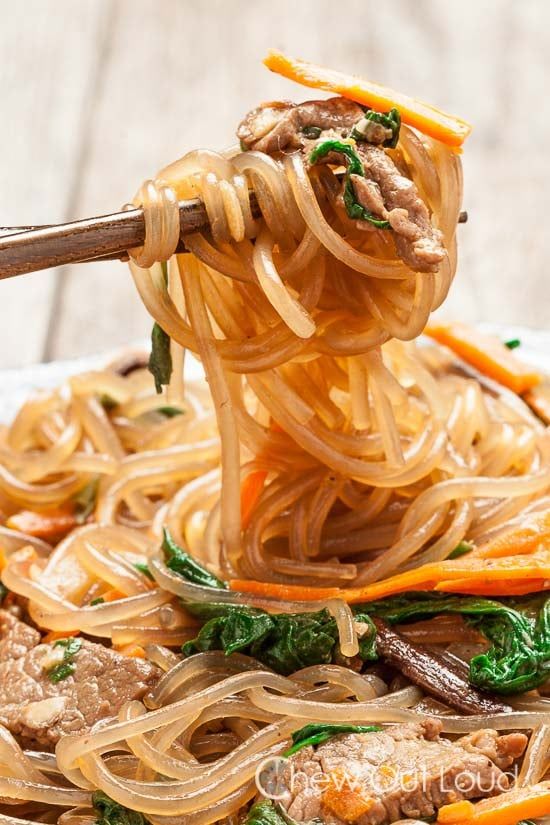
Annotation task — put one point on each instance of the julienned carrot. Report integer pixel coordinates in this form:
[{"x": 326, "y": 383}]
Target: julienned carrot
[
  {"x": 511, "y": 569},
  {"x": 428, "y": 119},
  {"x": 113, "y": 595},
  {"x": 45, "y": 525},
  {"x": 486, "y": 353},
  {"x": 506, "y": 809},
  {"x": 525, "y": 573},
  {"x": 485, "y": 587},
  {"x": 284, "y": 592},
  {"x": 133, "y": 650},
  {"x": 533, "y": 534},
  {"x": 54, "y": 635},
  {"x": 251, "y": 489}
]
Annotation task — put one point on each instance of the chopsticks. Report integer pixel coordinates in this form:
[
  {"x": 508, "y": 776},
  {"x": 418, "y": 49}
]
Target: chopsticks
[{"x": 105, "y": 237}]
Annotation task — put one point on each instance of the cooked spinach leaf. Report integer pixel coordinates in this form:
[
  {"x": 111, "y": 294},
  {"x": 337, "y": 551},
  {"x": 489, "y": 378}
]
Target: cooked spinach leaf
[
  {"x": 284, "y": 642},
  {"x": 312, "y": 132},
  {"x": 519, "y": 658},
  {"x": 354, "y": 167},
  {"x": 170, "y": 411},
  {"x": 3, "y": 592},
  {"x": 182, "y": 563},
  {"x": 461, "y": 549},
  {"x": 67, "y": 667},
  {"x": 85, "y": 500},
  {"x": 316, "y": 734},
  {"x": 107, "y": 402},
  {"x": 264, "y": 813},
  {"x": 144, "y": 568},
  {"x": 110, "y": 812},
  {"x": 513, "y": 343},
  {"x": 160, "y": 360},
  {"x": 389, "y": 120}
]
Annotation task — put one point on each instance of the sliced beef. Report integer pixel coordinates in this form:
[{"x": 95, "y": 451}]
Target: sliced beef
[
  {"x": 440, "y": 677},
  {"x": 403, "y": 771},
  {"x": 16, "y": 638},
  {"x": 384, "y": 191},
  {"x": 274, "y": 127},
  {"x": 502, "y": 750},
  {"x": 394, "y": 197},
  {"x": 38, "y": 711}
]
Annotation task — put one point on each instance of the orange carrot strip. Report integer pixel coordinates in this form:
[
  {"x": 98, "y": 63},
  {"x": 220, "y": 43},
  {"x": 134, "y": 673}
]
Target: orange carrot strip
[
  {"x": 284, "y": 592},
  {"x": 113, "y": 595},
  {"x": 487, "y": 354},
  {"x": 515, "y": 574},
  {"x": 251, "y": 489},
  {"x": 485, "y": 587},
  {"x": 54, "y": 635},
  {"x": 133, "y": 650},
  {"x": 44, "y": 525},
  {"x": 506, "y": 809},
  {"x": 533, "y": 534},
  {"x": 428, "y": 119},
  {"x": 345, "y": 802},
  {"x": 480, "y": 572},
  {"x": 457, "y": 812}
]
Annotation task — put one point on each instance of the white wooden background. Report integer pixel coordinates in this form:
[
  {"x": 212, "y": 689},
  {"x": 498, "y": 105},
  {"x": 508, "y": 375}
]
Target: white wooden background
[{"x": 96, "y": 95}]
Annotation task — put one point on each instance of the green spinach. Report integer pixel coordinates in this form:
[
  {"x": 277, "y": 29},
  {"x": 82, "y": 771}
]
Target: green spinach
[
  {"x": 389, "y": 120},
  {"x": 284, "y": 642},
  {"x": 85, "y": 500},
  {"x": 160, "y": 360},
  {"x": 316, "y": 734},
  {"x": 519, "y": 657},
  {"x": 110, "y": 812},
  {"x": 312, "y": 132},
  {"x": 170, "y": 411},
  {"x": 513, "y": 343},
  {"x": 354, "y": 167},
  {"x": 67, "y": 667},
  {"x": 144, "y": 568},
  {"x": 182, "y": 563},
  {"x": 107, "y": 402},
  {"x": 3, "y": 592},
  {"x": 461, "y": 549},
  {"x": 264, "y": 813}
]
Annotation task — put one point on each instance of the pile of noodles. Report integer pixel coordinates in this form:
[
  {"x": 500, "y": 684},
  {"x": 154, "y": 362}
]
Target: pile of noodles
[
  {"x": 377, "y": 454},
  {"x": 192, "y": 753}
]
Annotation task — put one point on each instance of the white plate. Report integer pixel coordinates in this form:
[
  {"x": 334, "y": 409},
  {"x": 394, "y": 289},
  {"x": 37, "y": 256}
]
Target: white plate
[{"x": 16, "y": 385}]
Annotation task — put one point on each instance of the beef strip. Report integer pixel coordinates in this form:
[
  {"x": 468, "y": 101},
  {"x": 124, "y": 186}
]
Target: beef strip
[
  {"x": 275, "y": 127},
  {"x": 392, "y": 196},
  {"x": 403, "y": 771},
  {"x": 438, "y": 676},
  {"x": 16, "y": 638},
  {"x": 384, "y": 191},
  {"x": 38, "y": 711}
]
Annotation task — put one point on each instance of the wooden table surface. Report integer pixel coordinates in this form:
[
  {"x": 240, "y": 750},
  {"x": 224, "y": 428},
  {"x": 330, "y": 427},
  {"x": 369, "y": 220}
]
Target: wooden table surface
[{"x": 96, "y": 95}]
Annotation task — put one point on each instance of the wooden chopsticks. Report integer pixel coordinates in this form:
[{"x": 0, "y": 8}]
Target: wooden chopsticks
[{"x": 106, "y": 237}]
